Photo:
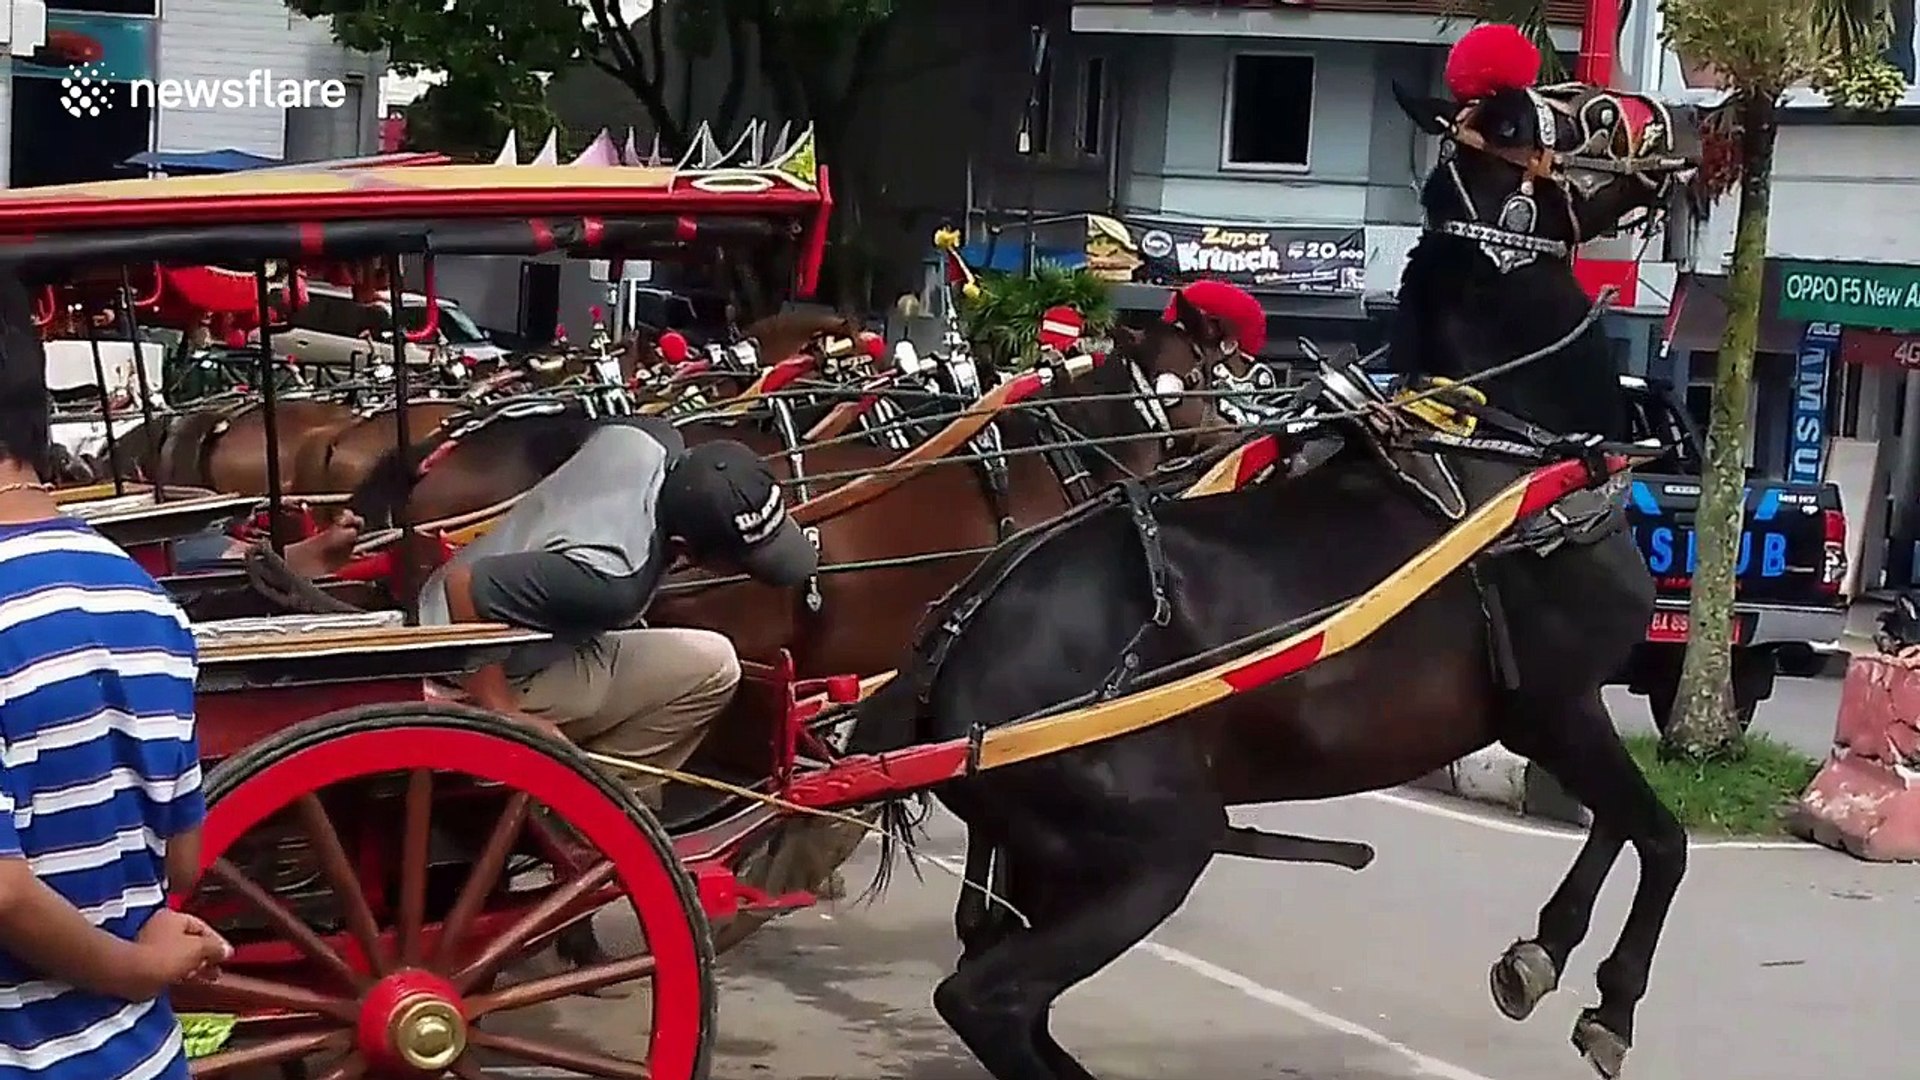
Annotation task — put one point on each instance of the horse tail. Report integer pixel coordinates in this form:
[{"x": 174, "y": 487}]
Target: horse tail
[{"x": 888, "y": 720}]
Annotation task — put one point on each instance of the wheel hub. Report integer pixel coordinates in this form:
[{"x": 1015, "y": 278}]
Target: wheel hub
[
  {"x": 413, "y": 1022},
  {"x": 428, "y": 1033}
]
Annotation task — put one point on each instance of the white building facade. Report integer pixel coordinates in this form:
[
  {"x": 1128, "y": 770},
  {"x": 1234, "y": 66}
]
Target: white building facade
[{"x": 181, "y": 53}]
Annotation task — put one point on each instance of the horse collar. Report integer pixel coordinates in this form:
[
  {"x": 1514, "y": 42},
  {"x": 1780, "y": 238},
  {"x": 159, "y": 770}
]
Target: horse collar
[{"x": 1509, "y": 249}]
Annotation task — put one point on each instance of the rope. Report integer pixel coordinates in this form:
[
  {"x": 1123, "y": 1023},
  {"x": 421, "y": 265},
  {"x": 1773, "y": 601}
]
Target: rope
[
  {"x": 777, "y": 803},
  {"x": 858, "y": 566},
  {"x": 271, "y": 577}
]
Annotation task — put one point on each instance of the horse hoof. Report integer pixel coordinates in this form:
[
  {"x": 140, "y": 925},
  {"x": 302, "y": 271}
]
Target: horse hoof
[
  {"x": 1603, "y": 1049},
  {"x": 1520, "y": 978}
]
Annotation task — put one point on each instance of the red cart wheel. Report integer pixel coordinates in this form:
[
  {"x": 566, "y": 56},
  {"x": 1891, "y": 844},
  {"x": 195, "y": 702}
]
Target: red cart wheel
[{"x": 369, "y": 867}]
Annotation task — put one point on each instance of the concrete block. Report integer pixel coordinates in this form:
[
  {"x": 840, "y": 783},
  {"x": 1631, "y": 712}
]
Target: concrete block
[{"x": 1866, "y": 797}]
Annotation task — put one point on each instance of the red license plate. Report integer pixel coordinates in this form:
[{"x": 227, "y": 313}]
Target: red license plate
[{"x": 1672, "y": 626}]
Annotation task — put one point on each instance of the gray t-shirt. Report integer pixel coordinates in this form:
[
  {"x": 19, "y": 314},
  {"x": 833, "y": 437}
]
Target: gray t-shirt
[{"x": 581, "y": 553}]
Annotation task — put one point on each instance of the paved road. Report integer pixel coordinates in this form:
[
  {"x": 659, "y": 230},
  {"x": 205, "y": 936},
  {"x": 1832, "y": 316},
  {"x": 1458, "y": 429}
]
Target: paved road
[
  {"x": 1800, "y": 713},
  {"x": 1780, "y": 963}
]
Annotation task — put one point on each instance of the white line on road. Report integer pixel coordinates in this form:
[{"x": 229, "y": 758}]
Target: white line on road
[
  {"x": 1424, "y": 1064},
  {"x": 1519, "y": 828}
]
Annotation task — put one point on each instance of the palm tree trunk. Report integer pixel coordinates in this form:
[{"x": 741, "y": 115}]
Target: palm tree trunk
[{"x": 1706, "y": 725}]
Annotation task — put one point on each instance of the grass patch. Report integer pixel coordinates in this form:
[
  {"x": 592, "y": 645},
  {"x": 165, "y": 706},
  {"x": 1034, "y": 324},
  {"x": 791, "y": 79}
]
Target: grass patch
[{"x": 1737, "y": 798}]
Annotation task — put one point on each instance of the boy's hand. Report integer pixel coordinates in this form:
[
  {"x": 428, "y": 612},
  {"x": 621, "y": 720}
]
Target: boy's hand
[{"x": 174, "y": 948}]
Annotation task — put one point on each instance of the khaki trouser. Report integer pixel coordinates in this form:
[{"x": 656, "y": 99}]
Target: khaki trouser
[{"x": 646, "y": 695}]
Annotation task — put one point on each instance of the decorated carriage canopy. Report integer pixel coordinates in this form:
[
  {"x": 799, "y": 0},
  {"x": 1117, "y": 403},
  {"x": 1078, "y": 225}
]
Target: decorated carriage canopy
[{"x": 599, "y": 210}]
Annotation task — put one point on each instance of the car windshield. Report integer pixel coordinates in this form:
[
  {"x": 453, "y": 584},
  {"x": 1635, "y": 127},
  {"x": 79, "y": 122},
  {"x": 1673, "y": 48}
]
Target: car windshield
[{"x": 455, "y": 326}]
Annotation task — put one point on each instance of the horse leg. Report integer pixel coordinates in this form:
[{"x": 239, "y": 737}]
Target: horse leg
[
  {"x": 979, "y": 918},
  {"x": 1583, "y": 751},
  {"x": 998, "y": 1001}
]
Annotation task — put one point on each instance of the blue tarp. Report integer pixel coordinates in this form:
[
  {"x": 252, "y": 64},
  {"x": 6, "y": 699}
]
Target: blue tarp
[
  {"x": 1011, "y": 254},
  {"x": 201, "y": 161}
]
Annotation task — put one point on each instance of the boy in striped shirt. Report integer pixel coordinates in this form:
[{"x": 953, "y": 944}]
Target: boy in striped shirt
[{"x": 100, "y": 798}]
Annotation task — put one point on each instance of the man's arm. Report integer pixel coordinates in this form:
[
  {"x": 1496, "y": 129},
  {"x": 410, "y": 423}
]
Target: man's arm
[
  {"x": 540, "y": 590},
  {"x": 42, "y": 928}
]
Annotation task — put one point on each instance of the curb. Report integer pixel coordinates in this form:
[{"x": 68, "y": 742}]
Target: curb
[{"x": 1500, "y": 777}]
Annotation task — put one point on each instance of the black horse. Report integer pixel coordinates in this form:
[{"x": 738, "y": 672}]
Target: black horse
[{"x": 1099, "y": 845}]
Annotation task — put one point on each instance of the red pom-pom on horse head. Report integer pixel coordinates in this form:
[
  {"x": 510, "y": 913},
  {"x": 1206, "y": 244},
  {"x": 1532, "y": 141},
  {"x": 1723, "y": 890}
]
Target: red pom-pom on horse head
[
  {"x": 1242, "y": 317},
  {"x": 1489, "y": 59}
]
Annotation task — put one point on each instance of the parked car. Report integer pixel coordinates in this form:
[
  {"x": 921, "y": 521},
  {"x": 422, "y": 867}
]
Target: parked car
[
  {"x": 1788, "y": 599},
  {"x": 333, "y": 328}
]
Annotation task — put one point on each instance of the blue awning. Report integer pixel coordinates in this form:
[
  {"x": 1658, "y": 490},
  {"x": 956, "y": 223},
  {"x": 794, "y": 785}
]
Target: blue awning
[{"x": 202, "y": 161}]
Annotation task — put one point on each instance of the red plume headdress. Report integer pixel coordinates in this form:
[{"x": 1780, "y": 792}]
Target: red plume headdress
[
  {"x": 1489, "y": 59},
  {"x": 1232, "y": 305}
]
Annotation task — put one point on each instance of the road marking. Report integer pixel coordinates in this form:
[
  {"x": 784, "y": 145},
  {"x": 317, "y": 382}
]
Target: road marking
[
  {"x": 1423, "y": 1064},
  {"x": 1521, "y": 828}
]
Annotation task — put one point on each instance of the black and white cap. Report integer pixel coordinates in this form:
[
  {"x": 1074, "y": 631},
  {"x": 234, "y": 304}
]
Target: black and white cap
[{"x": 723, "y": 500}]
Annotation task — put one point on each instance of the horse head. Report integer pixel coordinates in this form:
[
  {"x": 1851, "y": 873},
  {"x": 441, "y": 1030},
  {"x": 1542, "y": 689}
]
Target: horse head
[
  {"x": 1531, "y": 171},
  {"x": 1172, "y": 367},
  {"x": 1525, "y": 175}
]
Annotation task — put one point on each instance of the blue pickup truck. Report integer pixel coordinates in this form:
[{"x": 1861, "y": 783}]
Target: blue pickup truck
[{"x": 1793, "y": 562}]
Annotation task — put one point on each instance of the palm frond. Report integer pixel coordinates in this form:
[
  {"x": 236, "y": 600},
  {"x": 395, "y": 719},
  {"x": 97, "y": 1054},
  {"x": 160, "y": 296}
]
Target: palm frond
[{"x": 1852, "y": 26}]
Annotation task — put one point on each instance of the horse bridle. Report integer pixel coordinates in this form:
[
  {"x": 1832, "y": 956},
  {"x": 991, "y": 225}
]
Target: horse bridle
[{"x": 1607, "y": 146}]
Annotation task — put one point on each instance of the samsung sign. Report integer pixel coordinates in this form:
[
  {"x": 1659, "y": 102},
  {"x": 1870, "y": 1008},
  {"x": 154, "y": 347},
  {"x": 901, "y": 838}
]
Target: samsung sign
[{"x": 1807, "y": 444}]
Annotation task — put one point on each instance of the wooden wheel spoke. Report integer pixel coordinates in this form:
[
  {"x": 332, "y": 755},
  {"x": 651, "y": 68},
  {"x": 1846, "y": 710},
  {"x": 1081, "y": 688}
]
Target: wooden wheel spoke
[
  {"x": 560, "y": 1057},
  {"x": 542, "y": 990},
  {"x": 516, "y": 937},
  {"x": 338, "y": 867},
  {"x": 297, "y": 933},
  {"x": 468, "y": 1069},
  {"x": 244, "y": 993},
  {"x": 272, "y": 1052},
  {"x": 413, "y": 867},
  {"x": 482, "y": 878},
  {"x": 564, "y": 852}
]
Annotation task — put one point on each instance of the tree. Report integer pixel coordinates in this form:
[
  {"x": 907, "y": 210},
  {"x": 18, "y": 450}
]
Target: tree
[
  {"x": 1758, "y": 49},
  {"x": 467, "y": 117},
  {"x": 818, "y": 61}
]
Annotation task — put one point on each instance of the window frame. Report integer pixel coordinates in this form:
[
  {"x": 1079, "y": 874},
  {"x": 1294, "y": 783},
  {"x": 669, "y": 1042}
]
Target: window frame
[
  {"x": 1227, "y": 164},
  {"x": 1104, "y": 122}
]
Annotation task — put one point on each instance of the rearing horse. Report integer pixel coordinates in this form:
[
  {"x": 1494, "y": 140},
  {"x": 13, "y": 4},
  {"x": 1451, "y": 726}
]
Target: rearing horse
[{"x": 1100, "y": 844}]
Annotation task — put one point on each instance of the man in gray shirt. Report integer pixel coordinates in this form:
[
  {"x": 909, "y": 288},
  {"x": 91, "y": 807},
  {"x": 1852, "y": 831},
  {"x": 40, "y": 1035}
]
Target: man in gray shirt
[{"x": 582, "y": 554}]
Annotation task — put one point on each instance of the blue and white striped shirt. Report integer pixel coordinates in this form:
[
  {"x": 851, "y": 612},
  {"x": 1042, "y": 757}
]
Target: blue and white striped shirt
[{"x": 99, "y": 767}]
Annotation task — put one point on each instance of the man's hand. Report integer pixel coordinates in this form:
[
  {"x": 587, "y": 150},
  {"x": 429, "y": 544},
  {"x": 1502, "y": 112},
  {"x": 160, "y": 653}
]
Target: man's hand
[{"x": 174, "y": 948}]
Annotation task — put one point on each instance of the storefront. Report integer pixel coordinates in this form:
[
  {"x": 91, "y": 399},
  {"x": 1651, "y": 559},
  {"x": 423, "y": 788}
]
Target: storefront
[
  {"x": 71, "y": 115},
  {"x": 1310, "y": 279},
  {"x": 1864, "y": 319}
]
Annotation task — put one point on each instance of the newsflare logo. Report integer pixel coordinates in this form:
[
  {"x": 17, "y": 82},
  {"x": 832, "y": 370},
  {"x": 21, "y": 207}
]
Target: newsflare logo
[{"x": 84, "y": 93}]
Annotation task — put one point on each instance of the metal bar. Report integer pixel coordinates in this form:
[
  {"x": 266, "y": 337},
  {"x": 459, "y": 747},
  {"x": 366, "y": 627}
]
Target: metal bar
[
  {"x": 269, "y": 410},
  {"x": 403, "y": 565},
  {"x": 141, "y": 380},
  {"x": 106, "y": 400}
]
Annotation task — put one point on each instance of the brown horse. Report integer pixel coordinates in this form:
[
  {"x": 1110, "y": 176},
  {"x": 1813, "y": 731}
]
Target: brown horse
[{"x": 341, "y": 461}]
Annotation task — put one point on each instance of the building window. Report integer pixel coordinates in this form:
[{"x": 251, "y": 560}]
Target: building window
[
  {"x": 1036, "y": 125},
  {"x": 107, "y": 7},
  {"x": 1091, "y": 138},
  {"x": 1269, "y": 112}
]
